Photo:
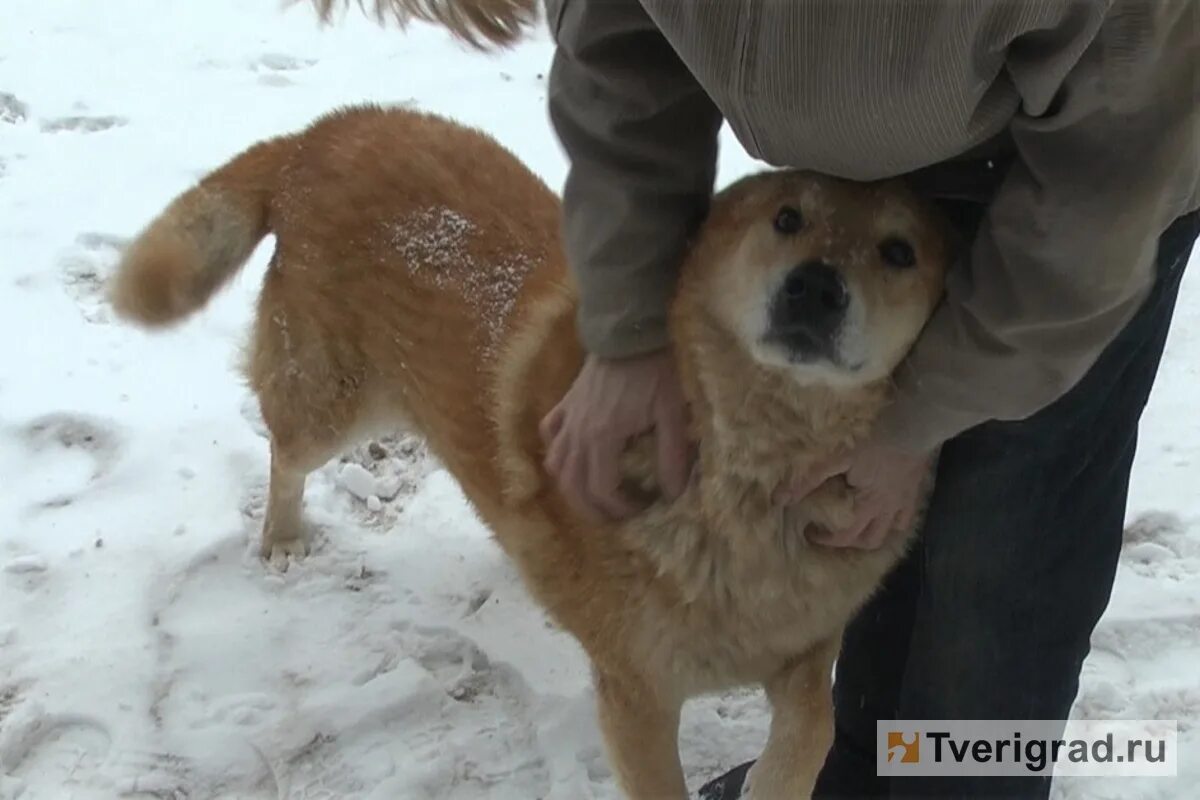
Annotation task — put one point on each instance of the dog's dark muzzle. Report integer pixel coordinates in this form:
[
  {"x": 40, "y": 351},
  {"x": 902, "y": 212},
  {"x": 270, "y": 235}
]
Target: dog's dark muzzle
[{"x": 809, "y": 309}]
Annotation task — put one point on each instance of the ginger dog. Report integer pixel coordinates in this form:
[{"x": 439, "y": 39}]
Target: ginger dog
[{"x": 424, "y": 286}]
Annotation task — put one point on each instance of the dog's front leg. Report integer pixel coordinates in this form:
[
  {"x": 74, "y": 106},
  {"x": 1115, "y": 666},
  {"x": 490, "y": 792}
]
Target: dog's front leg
[
  {"x": 641, "y": 734},
  {"x": 801, "y": 726}
]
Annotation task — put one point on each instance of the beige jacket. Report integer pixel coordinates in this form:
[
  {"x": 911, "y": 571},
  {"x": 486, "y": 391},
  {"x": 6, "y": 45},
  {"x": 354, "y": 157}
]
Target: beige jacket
[{"x": 1093, "y": 106}]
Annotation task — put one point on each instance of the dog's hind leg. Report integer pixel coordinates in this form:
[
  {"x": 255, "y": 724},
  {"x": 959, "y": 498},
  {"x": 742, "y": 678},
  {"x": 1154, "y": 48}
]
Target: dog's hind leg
[
  {"x": 312, "y": 389},
  {"x": 801, "y": 726},
  {"x": 283, "y": 534},
  {"x": 641, "y": 733},
  {"x": 310, "y": 422},
  {"x": 301, "y": 441}
]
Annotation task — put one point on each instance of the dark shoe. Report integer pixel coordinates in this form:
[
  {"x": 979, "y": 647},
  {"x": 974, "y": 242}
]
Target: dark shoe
[{"x": 728, "y": 786}]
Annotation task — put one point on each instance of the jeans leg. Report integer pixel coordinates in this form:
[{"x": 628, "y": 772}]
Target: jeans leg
[{"x": 992, "y": 616}]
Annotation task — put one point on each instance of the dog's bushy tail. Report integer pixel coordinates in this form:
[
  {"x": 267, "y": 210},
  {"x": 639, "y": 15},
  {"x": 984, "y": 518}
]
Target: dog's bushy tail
[
  {"x": 481, "y": 23},
  {"x": 200, "y": 240}
]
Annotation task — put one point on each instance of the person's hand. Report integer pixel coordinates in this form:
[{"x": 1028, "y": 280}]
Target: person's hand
[
  {"x": 611, "y": 402},
  {"x": 887, "y": 484}
]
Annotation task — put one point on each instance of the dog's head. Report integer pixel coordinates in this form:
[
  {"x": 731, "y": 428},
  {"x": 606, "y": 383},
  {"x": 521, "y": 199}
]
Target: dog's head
[{"x": 828, "y": 280}]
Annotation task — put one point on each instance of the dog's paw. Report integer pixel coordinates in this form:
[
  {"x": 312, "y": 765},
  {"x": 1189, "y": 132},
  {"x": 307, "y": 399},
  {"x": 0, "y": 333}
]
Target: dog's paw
[{"x": 279, "y": 554}]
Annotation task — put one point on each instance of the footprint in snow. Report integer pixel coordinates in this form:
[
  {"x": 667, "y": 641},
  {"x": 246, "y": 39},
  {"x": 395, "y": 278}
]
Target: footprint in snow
[
  {"x": 1132, "y": 671},
  {"x": 280, "y": 62},
  {"x": 334, "y": 688},
  {"x": 1157, "y": 545},
  {"x": 86, "y": 268},
  {"x": 286, "y": 633},
  {"x": 9, "y": 695},
  {"x": 273, "y": 66},
  {"x": 275, "y": 79},
  {"x": 37, "y": 748},
  {"x": 83, "y": 124},
  {"x": 91, "y": 443},
  {"x": 12, "y": 110},
  {"x": 75, "y": 433},
  {"x": 431, "y": 697}
]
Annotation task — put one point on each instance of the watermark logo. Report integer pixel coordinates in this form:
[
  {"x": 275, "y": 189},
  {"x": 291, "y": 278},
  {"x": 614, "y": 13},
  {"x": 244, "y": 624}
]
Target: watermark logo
[
  {"x": 903, "y": 747},
  {"x": 1144, "y": 748}
]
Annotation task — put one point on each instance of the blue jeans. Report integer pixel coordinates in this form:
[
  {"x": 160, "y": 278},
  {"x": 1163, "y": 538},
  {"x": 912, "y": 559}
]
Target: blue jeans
[{"x": 991, "y": 613}]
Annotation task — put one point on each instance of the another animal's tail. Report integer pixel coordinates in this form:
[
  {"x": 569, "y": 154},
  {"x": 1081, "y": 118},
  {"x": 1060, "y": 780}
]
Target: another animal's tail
[
  {"x": 480, "y": 23},
  {"x": 200, "y": 240}
]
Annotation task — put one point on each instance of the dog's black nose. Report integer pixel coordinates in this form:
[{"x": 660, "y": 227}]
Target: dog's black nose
[
  {"x": 815, "y": 289},
  {"x": 809, "y": 309}
]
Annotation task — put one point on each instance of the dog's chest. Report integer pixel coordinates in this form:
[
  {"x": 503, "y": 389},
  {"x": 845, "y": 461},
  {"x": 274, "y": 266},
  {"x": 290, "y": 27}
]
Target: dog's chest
[{"x": 734, "y": 606}]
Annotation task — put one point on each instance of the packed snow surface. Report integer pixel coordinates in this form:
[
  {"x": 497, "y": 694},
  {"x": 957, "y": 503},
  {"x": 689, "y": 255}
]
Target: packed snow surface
[{"x": 145, "y": 651}]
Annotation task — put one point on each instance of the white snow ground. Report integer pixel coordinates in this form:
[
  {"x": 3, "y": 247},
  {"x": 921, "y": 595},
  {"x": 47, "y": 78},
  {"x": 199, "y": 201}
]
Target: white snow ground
[{"x": 144, "y": 651}]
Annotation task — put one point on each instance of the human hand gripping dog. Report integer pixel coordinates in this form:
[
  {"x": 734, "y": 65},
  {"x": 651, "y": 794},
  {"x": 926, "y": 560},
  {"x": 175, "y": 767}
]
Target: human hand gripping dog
[
  {"x": 613, "y": 401},
  {"x": 887, "y": 484},
  {"x": 610, "y": 402}
]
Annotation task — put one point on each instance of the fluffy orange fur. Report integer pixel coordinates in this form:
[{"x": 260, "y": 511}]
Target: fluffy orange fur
[
  {"x": 418, "y": 279},
  {"x": 483, "y": 24}
]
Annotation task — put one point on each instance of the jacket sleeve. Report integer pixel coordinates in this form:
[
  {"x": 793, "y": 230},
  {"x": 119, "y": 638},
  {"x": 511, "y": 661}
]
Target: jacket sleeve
[
  {"x": 641, "y": 137},
  {"x": 1066, "y": 252}
]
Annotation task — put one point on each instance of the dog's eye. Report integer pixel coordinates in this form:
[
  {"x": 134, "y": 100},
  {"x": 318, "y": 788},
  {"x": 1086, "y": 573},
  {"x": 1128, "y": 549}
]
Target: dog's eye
[
  {"x": 788, "y": 221},
  {"x": 898, "y": 253}
]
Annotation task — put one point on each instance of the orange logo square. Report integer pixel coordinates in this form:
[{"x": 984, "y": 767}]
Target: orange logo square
[{"x": 905, "y": 748}]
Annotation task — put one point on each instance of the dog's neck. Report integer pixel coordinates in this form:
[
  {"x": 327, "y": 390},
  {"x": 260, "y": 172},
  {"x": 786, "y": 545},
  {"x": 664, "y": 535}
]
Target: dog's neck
[
  {"x": 757, "y": 424},
  {"x": 727, "y": 539}
]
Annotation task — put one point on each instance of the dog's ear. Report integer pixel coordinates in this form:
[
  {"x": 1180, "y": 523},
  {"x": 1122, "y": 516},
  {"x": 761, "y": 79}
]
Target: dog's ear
[{"x": 483, "y": 24}]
